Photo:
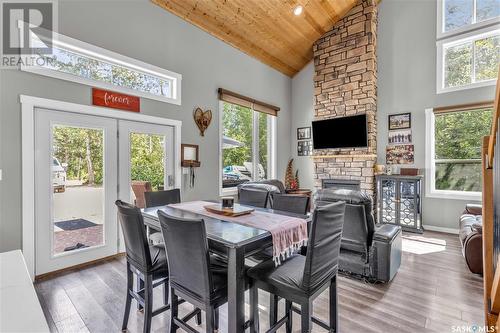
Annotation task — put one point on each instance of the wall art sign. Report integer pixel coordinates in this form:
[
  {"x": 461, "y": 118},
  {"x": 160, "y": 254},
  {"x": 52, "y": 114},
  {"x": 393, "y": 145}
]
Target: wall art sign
[
  {"x": 303, "y": 133},
  {"x": 111, "y": 99},
  {"x": 400, "y": 137},
  {"x": 304, "y": 148}
]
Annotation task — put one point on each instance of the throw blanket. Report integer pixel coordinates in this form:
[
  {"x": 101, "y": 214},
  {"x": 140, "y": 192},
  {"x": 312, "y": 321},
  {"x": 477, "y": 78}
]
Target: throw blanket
[{"x": 289, "y": 233}]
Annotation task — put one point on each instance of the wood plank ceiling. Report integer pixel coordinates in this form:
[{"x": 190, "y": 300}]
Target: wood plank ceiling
[{"x": 264, "y": 29}]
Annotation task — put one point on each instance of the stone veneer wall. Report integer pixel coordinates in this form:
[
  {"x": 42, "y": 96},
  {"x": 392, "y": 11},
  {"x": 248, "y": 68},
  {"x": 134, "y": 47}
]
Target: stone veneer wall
[{"x": 345, "y": 84}]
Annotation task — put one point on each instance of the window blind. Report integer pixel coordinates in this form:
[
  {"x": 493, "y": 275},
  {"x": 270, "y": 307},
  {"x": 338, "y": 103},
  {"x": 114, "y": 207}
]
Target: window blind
[{"x": 235, "y": 98}]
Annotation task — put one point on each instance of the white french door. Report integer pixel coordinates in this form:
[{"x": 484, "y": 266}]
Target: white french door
[
  {"x": 83, "y": 163},
  {"x": 76, "y": 186}
]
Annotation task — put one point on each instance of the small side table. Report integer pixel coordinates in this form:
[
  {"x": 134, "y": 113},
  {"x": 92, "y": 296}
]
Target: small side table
[{"x": 303, "y": 193}]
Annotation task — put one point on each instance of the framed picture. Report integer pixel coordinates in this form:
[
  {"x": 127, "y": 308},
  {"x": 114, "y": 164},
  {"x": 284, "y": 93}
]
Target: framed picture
[
  {"x": 399, "y": 121},
  {"x": 303, "y": 133},
  {"x": 400, "y": 137},
  {"x": 304, "y": 148},
  {"x": 399, "y": 154}
]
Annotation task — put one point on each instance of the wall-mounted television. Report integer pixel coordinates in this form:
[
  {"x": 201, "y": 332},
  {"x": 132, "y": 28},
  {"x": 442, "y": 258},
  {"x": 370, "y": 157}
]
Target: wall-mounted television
[{"x": 344, "y": 132}]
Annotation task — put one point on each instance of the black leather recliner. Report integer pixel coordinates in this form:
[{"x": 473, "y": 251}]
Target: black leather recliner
[{"x": 367, "y": 249}]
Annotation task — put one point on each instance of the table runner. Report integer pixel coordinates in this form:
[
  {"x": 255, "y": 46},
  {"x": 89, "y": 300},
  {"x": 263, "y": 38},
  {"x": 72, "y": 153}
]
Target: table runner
[{"x": 288, "y": 233}]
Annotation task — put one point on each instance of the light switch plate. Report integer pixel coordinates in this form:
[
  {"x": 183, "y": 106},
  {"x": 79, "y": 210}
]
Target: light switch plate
[{"x": 0, "y": 174}]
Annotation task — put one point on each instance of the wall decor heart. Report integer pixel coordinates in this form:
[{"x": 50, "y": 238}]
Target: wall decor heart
[{"x": 202, "y": 119}]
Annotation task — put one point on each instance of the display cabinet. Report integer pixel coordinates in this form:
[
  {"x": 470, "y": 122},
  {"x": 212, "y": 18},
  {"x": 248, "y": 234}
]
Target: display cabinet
[{"x": 399, "y": 201}]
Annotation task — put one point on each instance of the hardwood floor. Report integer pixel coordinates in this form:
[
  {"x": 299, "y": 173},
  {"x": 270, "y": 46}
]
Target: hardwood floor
[{"x": 432, "y": 292}]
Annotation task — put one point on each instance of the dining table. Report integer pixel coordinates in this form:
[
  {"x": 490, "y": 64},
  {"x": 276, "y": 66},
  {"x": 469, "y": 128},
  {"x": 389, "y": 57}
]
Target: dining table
[{"x": 233, "y": 241}]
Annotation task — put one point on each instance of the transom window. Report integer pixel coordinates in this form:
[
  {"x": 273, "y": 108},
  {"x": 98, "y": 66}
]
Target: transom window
[
  {"x": 80, "y": 62},
  {"x": 468, "y": 44},
  {"x": 247, "y": 137},
  {"x": 454, "y": 144}
]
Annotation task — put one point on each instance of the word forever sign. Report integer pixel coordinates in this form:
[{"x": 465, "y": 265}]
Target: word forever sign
[{"x": 111, "y": 99}]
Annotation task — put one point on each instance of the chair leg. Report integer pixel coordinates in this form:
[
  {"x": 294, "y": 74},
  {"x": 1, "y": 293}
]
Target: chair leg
[
  {"x": 128, "y": 301},
  {"x": 209, "y": 319},
  {"x": 198, "y": 318},
  {"x": 139, "y": 286},
  {"x": 288, "y": 314},
  {"x": 216, "y": 319},
  {"x": 306, "y": 320},
  {"x": 165, "y": 292},
  {"x": 148, "y": 302},
  {"x": 254, "y": 309},
  {"x": 334, "y": 315},
  {"x": 273, "y": 309},
  {"x": 174, "y": 308}
]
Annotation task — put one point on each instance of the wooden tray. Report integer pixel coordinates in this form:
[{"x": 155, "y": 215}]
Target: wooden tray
[{"x": 237, "y": 210}]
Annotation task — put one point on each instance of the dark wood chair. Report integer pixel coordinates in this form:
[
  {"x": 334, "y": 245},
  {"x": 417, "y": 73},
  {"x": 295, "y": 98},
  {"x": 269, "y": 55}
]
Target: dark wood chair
[
  {"x": 253, "y": 197},
  {"x": 301, "y": 279},
  {"x": 197, "y": 276},
  {"x": 162, "y": 198},
  {"x": 147, "y": 262}
]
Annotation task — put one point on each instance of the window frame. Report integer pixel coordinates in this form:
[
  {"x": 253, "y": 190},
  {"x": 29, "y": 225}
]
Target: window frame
[
  {"x": 94, "y": 52},
  {"x": 471, "y": 32},
  {"x": 472, "y": 36},
  {"x": 440, "y": 33},
  {"x": 430, "y": 166},
  {"x": 271, "y": 141}
]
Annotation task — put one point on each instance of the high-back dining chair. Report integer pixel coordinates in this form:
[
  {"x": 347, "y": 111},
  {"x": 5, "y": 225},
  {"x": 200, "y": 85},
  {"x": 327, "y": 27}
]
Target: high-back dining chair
[
  {"x": 148, "y": 262},
  {"x": 253, "y": 197},
  {"x": 162, "y": 198},
  {"x": 290, "y": 203},
  {"x": 195, "y": 275},
  {"x": 301, "y": 279}
]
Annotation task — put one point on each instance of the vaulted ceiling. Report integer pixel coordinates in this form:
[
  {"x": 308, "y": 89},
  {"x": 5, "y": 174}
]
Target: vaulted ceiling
[{"x": 264, "y": 29}]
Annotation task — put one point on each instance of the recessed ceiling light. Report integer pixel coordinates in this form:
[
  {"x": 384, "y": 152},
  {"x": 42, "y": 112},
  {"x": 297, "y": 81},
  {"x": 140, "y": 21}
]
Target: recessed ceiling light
[{"x": 298, "y": 10}]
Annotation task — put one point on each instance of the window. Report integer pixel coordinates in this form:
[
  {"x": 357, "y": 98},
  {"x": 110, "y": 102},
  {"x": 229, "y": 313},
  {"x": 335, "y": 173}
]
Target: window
[
  {"x": 468, "y": 46},
  {"x": 80, "y": 62},
  {"x": 245, "y": 134},
  {"x": 453, "y": 151}
]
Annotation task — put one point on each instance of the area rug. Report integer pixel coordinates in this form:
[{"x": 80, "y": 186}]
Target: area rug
[{"x": 75, "y": 224}]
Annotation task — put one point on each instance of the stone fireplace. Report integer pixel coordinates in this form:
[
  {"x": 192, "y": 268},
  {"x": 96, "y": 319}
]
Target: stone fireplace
[{"x": 345, "y": 84}]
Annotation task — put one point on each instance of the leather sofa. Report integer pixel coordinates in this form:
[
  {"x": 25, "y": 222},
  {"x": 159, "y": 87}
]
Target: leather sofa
[
  {"x": 369, "y": 250},
  {"x": 271, "y": 186},
  {"x": 471, "y": 237}
]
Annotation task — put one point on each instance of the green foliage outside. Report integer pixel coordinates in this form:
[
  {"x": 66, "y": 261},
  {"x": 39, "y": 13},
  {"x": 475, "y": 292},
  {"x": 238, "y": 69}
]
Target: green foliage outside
[
  {"x": 459, "y": 136},
  {"x": 458, "y": 61},
  {"x": 238, "y": 125},
  {"x": 147, "y": 158},
  {"x": 81, "y": 149}
]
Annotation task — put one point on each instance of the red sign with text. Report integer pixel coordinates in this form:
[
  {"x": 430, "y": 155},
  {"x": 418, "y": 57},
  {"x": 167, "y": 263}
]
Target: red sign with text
[{"x": 111, "y": 99}]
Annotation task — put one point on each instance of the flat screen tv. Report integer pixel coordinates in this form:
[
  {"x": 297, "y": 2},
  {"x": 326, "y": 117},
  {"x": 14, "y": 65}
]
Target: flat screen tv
[{"x": 345, "y": 132}]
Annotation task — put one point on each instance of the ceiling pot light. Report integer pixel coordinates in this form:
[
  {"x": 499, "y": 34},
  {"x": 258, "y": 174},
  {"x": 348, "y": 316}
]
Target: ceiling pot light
[{"x": 298, "y": 10}]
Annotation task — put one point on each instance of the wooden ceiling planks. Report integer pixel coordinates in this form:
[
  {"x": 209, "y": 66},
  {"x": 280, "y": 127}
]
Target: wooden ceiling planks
[{"x": 264, "y": 29}]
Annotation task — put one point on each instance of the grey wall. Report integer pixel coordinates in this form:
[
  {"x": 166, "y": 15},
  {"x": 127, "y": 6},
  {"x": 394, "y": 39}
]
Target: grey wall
[
  {"x": 407, "y": 83},
  {"x": 302, "y": 115},
  {"x": 406, "y": 55},
  {"x": 146, "y": 32}
]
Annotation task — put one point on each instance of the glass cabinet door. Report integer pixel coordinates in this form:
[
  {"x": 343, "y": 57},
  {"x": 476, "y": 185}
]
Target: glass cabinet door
[
  {"x": 388, "y": 197},
  {"x": 408, "y": 204}
]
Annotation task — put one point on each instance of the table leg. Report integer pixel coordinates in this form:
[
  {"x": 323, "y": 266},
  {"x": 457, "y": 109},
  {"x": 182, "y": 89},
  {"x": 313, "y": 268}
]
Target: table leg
[{"x": 236, "y": 290}]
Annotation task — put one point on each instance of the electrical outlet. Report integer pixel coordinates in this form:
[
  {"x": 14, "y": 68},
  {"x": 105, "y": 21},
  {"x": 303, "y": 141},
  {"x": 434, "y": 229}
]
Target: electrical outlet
[{"x": 0, "y": 174}]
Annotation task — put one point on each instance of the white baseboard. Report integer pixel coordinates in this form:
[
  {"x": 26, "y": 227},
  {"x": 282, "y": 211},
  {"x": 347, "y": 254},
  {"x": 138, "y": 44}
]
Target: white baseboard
[{"x": 441, "y": 229}]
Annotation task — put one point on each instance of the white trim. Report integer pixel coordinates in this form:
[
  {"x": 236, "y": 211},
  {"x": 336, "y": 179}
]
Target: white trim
[
  {"x": 469, "y": 37},
  {"x": 430, "y": 163},
  {"x": 95, "y": 52},
  {"x": 28, "y": 106},
  {"x": 442, "y": 229},
  {"x": 440, "y": 33}
]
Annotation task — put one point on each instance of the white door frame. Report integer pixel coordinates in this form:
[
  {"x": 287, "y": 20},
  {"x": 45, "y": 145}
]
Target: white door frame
[{"x": 29, "y": 105}]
